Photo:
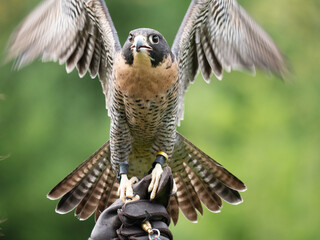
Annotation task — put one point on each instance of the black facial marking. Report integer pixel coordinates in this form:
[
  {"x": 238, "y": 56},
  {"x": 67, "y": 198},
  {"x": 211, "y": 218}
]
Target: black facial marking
[
  {"x": 160, "y": 48},
  {"x": 160, "y": 52},
  {"x": 127, "y": 53}
]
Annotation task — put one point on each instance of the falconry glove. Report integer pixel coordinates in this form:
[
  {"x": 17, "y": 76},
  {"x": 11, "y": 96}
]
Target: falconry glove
[{"x": 126, "y": 220}]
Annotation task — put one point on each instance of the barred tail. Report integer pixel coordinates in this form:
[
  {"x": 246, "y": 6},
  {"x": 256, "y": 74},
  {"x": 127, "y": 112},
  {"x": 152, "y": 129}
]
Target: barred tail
[
  {"x": 92, "y": 186},
  {"x": 199, "y": 178}
]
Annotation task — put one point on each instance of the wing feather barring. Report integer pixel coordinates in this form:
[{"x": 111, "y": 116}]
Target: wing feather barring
[{"x": 144, "y": 83}]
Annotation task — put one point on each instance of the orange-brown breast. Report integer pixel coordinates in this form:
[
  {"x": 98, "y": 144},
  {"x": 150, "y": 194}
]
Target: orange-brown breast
[{"x": 141, "y": 80}]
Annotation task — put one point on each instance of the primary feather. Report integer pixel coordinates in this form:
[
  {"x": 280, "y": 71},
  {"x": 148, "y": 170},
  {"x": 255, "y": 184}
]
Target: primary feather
[{"x": 217, "y": 35}]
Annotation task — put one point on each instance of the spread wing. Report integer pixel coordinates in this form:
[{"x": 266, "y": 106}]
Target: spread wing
[
  {"x": 79, "y": 33},
  {"x": 217, "y": 35}
]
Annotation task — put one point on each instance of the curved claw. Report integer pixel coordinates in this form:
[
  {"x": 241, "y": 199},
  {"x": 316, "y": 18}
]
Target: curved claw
[
  {"x": 135, "y": 198},
  {"x": 156, "y": 176},
  {"x": 125, "y": 189}
]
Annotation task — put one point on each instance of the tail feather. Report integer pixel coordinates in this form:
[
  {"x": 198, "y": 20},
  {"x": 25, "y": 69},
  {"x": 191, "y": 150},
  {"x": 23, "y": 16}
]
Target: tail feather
[
  {"x": 90, "y": 202},
  {"x": 88, "y": 182},
  {"x": 206, "y": 195},
  {"x": 108, "y": 197},
  {"x": 206, "y": 177},
  {"x": 173, "y": 209},
  {"x": 216, "y": 168},
  {"x": 184, "y": 201},
  {"x": 113, "y": 196},
  {"x": 226, "y": 193},
  {"x": 193, "y": 196},
  {"x": 70, "y": 181},
  {"x": 90, "y": 186}
]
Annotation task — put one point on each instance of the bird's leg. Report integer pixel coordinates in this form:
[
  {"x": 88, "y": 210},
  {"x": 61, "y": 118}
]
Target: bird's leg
[
  {"x": 156, "y": 173},
  {"x": 156, "y": 176},
  {"x": 125, "y": 190}
]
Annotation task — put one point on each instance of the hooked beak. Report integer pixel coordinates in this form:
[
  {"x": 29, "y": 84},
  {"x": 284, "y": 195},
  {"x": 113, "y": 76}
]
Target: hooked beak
[{"x": 140, "y": 44}]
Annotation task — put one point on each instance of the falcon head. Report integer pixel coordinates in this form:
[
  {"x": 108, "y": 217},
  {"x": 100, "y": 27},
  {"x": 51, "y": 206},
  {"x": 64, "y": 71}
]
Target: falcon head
[{"x": 146, "y": 45}]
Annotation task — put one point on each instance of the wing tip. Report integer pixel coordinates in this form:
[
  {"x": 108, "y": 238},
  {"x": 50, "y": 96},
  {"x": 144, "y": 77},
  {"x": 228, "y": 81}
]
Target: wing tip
[
  {"x": 219, "y": 76},
  {"x": 238, "y": 200},
  {"x": 238, "y": 186},
  {"x": 63, "y": 208},
  {"x": 69, "y": 68},
  {"x": 193, "y": 217},
  {"x": 79, "y": 217},
  {"x": 214, "y": 211},
  {"x": 243, "y": 189},
  {"x": 286, "y": 74},
  {"x": 51, "y": 196},
  {"x": 55, "y": 192},
  {"x": 60, "y": 210}
]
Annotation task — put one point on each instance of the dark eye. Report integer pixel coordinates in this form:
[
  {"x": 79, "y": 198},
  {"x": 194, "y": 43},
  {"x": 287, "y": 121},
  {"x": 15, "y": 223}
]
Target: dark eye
[
  {"x": 130, "y": 38},
  {"x": 154, "y": 39}
]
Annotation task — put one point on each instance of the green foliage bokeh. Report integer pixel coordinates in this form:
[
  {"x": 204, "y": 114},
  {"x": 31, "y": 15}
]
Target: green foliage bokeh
[{"x": 263, "y": 130}]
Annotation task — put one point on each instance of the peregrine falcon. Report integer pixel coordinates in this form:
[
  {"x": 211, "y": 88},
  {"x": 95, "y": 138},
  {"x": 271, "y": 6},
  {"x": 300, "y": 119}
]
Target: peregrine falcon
[{"x": 144, "y": 83}]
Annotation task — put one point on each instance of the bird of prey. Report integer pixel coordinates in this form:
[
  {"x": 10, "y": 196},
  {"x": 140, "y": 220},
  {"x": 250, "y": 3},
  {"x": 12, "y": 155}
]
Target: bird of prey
[{"x": 144, "y": 83}]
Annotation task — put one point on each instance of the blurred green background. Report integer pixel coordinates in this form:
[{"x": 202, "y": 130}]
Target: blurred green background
[{"x": 263, "y": 130}]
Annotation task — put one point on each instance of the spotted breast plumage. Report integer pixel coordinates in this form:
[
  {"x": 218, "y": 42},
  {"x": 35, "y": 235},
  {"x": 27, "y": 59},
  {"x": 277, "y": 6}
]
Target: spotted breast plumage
[{"x": 144, "y": 83}]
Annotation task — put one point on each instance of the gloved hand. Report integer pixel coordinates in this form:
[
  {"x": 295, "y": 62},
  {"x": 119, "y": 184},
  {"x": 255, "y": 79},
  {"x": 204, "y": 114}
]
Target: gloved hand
[{"x": 124, "y": 220}]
